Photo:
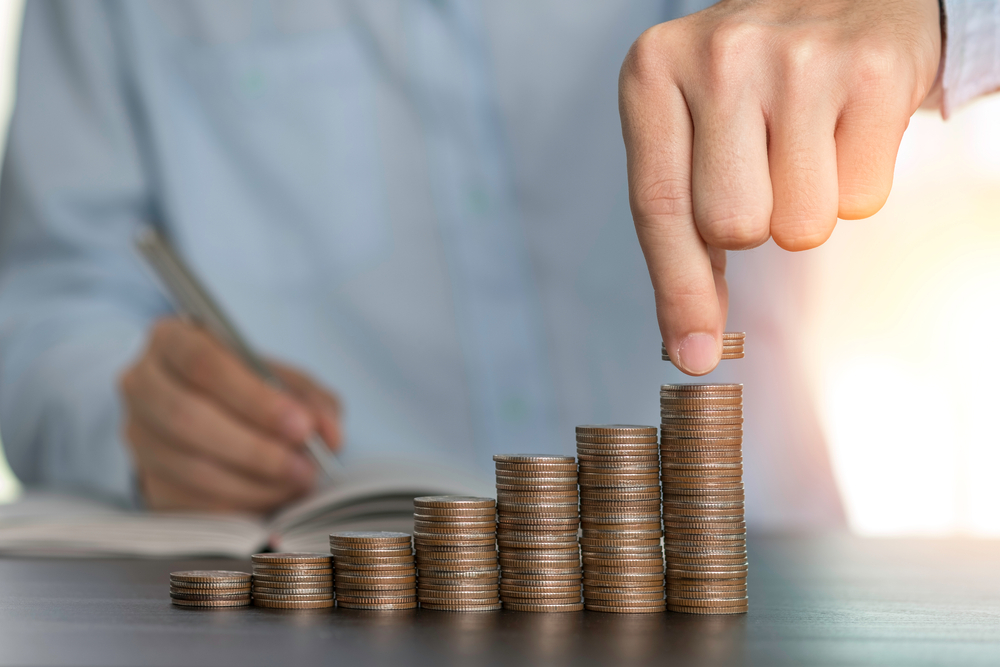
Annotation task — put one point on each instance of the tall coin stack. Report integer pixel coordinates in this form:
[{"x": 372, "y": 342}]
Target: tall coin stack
[
  {"x": 620, "y": 515},
  {"x": 211, "y": 589},
  {"x": 455, "y": 539},
  {"x": 538, "y": 522},
  {"x": 374, "y": 570},
  {"x": 701, "y": 437},
  {"x": 293, "y": 580}
]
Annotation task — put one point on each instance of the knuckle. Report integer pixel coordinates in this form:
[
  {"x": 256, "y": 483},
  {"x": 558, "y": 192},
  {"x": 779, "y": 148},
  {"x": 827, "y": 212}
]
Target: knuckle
[
  {"x": 670, "y": 197},
  {"x": 647, "y": 58},
  {"x": 735, "y": 227},
  {"x": 730, "y": 47},
  {"x": 802, "y": 236},
  {"x": 875, "y": 67}
]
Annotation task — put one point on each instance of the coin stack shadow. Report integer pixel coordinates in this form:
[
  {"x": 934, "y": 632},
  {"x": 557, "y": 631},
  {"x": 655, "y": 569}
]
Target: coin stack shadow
[
  {"x": 374, "y": 570},
  {"x": 538, "y": 522},
  {"x": 293, "y": 580},
  {"x": 455, "y": 540},
  {"x": 701, "y": 437},
  {"x": 210, "y": 589},
  {"x": 620, "y": 517}
]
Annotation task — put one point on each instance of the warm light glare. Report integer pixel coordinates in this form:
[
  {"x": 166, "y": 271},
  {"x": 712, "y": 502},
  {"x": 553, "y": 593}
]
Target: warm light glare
[{"x": 900, "y": 340}]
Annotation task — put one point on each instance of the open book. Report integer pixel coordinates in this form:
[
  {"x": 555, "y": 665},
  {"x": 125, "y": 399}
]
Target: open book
[{"x": 374, "y": 495}]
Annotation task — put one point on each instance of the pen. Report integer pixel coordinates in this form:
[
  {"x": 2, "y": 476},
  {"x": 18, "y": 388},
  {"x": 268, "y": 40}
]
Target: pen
[{"x": 192, "y": 300}]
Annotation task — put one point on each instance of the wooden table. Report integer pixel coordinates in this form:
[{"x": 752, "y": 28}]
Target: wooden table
[{"x": 832, "y": 600}]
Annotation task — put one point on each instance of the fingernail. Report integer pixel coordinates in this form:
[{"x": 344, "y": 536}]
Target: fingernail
[
  {"x": 295, "y": 425},
  {"x": 698, "y": 354},
  {"x": 301, "y": 471}
]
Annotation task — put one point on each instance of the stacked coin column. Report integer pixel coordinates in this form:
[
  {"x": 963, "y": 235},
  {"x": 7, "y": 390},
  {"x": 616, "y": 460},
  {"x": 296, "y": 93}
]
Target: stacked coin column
[
  {"x": 701, "y": 441},
  {"x": 457, "y": 567},
  {"x": 374, "y": 570},
  {"x": 210, "y": 589},
  {"x": 620, "y": 515},
  {"x": 538, "y": 522},
  {"x": 293, "y": 580}
]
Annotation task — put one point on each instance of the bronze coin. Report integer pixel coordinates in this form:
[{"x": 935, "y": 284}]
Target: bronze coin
[
  {"x": 182, "y": 587},
  {"x": 303, "y": 604},
  {"x": 210, "y": 576},
  {"x": 369, "y": 537},
  {"x": 182, "y": 595},
  {"x": 543, "y": 608},
  {"x": 533, "y": 458},
  {"x": 210, "y": 587},
  {"x": 234, "y": 602},
  {"x": 281, "y": 559},
  {"x": 376, "y": 599},
  {"x": 624, "y": 610},
  {"x": 541, "y": 590},
  {"x": 269, "y": 572},
  {"x": 375, "y": 588},
  {"x": 378, "y": 607},
  {"x": 291, "y": 597},
  {"x": 626, "y": 597},
  {"x": 454, "y": 502},
  {"x": 460, "y": 607},
  {"x": 615, "y": 429},
  {"x": 363, "y": 579},
  {"x": 326, "y": 590}
]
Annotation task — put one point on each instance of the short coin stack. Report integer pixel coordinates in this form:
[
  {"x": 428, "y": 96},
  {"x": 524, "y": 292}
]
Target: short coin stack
[
  {"x": 732, "y": 346},
  {"x": 538, "y": 522},
  {"x": 620, "y": 516},
  {"x": 293, "y": 580},
  {"x": 211, "y": 589},
  {"x": 455, "y": 540},
  {"x": 374, "y": 570},
  {"x": 701, "y": 438}
]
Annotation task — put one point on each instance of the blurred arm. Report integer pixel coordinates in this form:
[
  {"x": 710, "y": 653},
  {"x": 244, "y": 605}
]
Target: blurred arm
[
  {"x": 74, "y": 304},
  {"x": 971, "y": 55}
]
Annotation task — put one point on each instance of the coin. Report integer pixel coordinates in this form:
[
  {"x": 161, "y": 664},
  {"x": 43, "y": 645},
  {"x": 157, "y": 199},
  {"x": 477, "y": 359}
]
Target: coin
[
  {"x": 547, "y": 608},
  {"x": 616, "y": 430},
  {"x": 234, "y": 602},
  {"x": 210, "y": 576},
  {"x": 458, "y": 607},
  {"x": 378, "y": 607},
  {"x": 301, "y": 604},
  {"x": 272, "y": 559},
  {"x": 593, "y": 606},
  {"x": 181, "y": 595},
  {"x": 454, "y": 502}
]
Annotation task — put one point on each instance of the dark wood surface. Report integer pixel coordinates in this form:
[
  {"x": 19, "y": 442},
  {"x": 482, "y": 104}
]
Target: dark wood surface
[{"x": 833, "y": 600}]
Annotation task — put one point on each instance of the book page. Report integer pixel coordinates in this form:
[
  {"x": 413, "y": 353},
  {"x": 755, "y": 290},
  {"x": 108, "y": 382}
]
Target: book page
[{"x": 51, "y": 524}]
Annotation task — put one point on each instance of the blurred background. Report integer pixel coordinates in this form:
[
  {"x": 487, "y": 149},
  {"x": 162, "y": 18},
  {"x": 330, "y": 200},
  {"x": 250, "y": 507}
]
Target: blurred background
[{"x": 897, "y": 341}]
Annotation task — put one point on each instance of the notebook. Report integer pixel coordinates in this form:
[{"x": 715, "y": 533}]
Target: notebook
[{"x": 373, "y": 495}]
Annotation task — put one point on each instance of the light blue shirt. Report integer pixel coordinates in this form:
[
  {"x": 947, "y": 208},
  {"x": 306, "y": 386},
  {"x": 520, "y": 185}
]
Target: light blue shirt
[{"x": 423, "y": 203}]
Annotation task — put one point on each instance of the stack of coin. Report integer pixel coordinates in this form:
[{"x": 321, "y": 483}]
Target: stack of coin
[
  {"x": 374, "y": 570},
  {"x": 456, "y": 544},
  {"x": 732, "y": 346},
  {"x": 538, "y": 522},
  {"x": 210, "y": 589},
  {"x": 293, "y": 580},
  {"x": 620, "y": 516},
  {"x": 701, "y": 438}
]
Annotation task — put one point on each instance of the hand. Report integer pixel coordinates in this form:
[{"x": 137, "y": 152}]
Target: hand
[
  {"x": 208, "y": 434},
  {"x": 752, "y": 120}
]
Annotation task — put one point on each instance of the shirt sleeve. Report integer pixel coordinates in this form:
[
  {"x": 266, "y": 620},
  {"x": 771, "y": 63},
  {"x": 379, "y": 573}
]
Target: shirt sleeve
[
  {"x": 74, "y": 300},
  {"x": 971, "y": 53}
]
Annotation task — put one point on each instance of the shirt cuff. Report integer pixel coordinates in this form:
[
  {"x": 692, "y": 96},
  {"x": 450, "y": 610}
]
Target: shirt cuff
[{"x": 971, "y": 53}]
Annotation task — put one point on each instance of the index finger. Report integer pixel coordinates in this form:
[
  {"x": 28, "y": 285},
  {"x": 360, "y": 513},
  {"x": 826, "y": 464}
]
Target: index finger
[{"x": 658, "y": 133}]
